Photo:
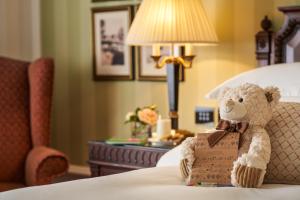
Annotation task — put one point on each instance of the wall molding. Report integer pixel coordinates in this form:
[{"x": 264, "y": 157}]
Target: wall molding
[{"x": 79, "y": 169}]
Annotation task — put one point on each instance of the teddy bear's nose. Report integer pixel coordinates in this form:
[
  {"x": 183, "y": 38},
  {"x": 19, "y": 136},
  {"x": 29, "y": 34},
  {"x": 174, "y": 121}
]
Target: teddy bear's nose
[{"x": 229, "y": 105}]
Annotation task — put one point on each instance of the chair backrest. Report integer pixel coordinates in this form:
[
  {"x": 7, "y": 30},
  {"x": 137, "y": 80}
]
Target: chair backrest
[
  {"x": 25, "y": 107},
  {"x": 41, "y": 73},
  {"x": 15, "y": 140}
]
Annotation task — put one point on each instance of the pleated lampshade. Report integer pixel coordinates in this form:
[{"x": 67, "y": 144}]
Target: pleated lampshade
[{"x": 167, "y": 22}]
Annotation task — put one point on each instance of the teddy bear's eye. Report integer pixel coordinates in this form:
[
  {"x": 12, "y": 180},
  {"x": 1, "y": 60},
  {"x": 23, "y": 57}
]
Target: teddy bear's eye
[{"x": 241, "y": 100}]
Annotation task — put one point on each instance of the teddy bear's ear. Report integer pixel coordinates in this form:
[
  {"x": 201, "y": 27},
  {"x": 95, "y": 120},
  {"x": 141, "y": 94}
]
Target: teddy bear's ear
[
  {"x": 272, "y": 95},
  {"x": 223, "y": 92}
]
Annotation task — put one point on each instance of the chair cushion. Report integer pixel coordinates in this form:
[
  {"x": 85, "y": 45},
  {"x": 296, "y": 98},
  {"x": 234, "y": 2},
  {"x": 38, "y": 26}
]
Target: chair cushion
[
  {"x": 5, "y": 186},
  {"x": 284, "y": 131},
  {"x": 15, "y": 141}
]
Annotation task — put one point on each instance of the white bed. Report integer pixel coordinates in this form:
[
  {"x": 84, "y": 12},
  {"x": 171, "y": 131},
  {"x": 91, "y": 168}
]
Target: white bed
[
  {"x": 147, "y": 184},
  {"x": 162, "y": 182}
]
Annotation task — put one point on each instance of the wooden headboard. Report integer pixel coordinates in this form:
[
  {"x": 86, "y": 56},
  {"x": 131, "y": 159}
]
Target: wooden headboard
[{"x": 282, "y": 46}]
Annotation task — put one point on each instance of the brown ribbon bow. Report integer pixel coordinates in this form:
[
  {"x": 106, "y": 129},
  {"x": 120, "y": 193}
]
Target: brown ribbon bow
[{"x": 223, "y": 128}]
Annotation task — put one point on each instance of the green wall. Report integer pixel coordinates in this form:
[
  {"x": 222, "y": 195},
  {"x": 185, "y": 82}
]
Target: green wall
[{"x": 86, "y": 110}]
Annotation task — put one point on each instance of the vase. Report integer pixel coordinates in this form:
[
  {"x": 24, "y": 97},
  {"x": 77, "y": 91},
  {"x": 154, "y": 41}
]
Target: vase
[{"x": 140, "y": 131}]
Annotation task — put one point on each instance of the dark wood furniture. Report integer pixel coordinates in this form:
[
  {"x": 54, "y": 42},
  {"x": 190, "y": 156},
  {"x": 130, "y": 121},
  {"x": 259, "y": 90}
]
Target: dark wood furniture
[
  {"x": 106, "y": 159},
  {"x": 282, "y": 46},
  {"x": 264, "y": 43}
]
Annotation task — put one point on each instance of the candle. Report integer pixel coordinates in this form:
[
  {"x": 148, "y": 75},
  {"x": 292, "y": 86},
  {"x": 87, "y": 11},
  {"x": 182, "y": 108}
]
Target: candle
[
  {"x": 154, "y": 135},
  {"x": 176, "y": 50},
  {"x": 163, "y": 127},
  {"x": 173, "y": 133},
  {"x": 155, "y": 50},
  {"x": 188, "y": 51}
]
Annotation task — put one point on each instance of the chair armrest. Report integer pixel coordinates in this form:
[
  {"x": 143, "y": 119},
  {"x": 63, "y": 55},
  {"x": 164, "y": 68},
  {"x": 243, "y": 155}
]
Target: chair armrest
[{"x": 43, "y": 164}]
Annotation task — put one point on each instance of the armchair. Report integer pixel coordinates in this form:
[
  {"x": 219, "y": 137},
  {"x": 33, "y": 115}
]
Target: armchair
[{"x": 25, "y": 107}]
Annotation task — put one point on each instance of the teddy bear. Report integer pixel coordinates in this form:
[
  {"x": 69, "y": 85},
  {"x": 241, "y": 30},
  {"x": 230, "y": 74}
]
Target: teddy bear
[{"x": 252, "y": 106}]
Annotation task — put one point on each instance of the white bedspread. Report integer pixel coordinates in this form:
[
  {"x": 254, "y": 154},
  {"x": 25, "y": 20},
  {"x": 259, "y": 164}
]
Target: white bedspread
[{"x": 147, "y": 184}]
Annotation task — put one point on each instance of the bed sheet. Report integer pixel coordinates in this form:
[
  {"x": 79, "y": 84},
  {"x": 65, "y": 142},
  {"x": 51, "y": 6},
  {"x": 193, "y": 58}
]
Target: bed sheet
[{"x": 159, "y": 183}]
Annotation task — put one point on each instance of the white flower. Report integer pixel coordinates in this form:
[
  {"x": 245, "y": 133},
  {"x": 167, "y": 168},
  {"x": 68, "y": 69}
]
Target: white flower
[{"x": 129, "y": 115}]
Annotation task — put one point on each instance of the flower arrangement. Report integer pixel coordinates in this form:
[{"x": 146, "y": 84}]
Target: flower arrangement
[{"x": 142, "y": 119}]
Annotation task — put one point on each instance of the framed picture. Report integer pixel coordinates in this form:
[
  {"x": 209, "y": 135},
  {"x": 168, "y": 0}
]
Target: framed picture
[
  {"x": 146, "y": 66},
  {"x": 112, "y": 59}
]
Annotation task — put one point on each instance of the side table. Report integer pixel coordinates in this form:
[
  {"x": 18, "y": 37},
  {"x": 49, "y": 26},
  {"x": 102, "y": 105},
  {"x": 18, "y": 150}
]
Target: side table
[{"x": 106, "y": 159}]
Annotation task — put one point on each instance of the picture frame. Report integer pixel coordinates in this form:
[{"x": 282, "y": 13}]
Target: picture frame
[
  {"x": 112, "y": 58},
  {"x": 146, "y": 65}
]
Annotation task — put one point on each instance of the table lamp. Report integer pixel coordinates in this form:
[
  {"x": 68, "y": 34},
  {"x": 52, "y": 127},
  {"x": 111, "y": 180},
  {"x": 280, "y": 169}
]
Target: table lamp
[{"x": 174, "y": 23}]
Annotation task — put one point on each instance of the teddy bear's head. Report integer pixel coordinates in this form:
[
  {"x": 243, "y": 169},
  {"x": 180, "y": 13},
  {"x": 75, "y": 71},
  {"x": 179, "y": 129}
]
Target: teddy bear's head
[{"x": 249, "y": 103}]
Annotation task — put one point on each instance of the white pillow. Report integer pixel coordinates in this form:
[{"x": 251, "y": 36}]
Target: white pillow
[
  {"x": 171, "y": 158},
  {"x": 284, "y": 76},
  {"x": 290, "y": 99}
]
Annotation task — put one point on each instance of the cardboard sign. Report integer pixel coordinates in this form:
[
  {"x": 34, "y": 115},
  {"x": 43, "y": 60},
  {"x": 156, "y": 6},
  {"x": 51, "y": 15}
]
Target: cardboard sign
[{"x": 214, "y": 165}]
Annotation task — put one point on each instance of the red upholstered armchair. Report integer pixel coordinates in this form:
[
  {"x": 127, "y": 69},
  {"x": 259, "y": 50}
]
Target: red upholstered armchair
[{"x": 25, "y": 106}]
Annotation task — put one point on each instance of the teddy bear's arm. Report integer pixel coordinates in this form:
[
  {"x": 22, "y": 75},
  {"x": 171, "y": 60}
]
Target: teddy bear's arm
[
  {"x": 255, "y": 160},
  {"x": 260, "y": 149},
  {"x": 187, "y": 154}
]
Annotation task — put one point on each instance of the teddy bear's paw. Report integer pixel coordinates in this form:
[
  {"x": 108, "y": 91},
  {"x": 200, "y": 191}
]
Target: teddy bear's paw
[
  {"x": 248, "y": 177},
  {"x": 184, "y": 168}
]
